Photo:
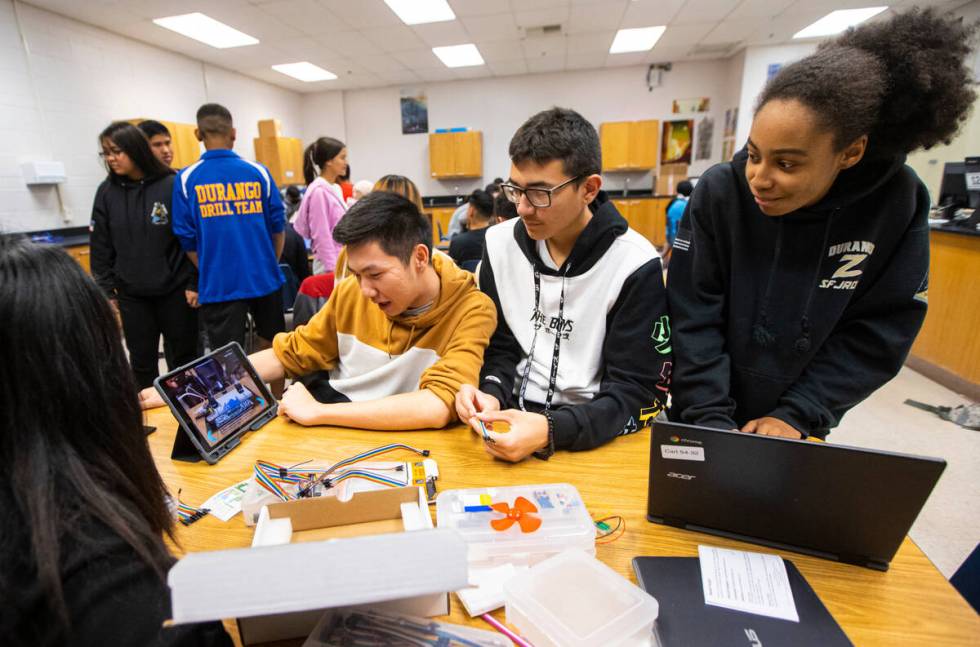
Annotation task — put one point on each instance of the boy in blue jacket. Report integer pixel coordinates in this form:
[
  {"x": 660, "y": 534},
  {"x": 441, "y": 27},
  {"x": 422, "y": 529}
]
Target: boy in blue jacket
[{"x": 228, "y": 216}]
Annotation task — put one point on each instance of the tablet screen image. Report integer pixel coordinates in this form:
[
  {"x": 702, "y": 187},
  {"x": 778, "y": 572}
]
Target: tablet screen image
[{"x": 217, "y": 394}]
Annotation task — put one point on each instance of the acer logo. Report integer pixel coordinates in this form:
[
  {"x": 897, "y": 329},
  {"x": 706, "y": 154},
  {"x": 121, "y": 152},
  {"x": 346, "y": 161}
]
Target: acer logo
[
  {"x": 683, "y": 477},
  {"x": 753, "y": 638}
]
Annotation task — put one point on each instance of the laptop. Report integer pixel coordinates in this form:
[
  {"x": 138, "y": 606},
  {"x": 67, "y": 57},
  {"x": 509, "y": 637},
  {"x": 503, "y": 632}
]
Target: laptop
[
  {"x": 216, "y": 399},
  {"x": 842, "y": 503}
]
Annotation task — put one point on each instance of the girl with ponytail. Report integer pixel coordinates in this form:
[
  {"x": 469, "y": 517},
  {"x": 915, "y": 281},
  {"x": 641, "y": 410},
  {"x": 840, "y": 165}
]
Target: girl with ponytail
[
  {"x": 800, "y": 269},
  {"x": 324, "y": 161}
]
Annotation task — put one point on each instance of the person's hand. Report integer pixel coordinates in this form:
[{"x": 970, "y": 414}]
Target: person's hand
[
  {"x": 769, "y": 426},
  {"x": 299, "y": 406},
  {"x": 150, "y": 398},
  {"x": 191, "y": 297},
  {"x": 527, "y": 434},
  {"x": 471, "y": 401}
]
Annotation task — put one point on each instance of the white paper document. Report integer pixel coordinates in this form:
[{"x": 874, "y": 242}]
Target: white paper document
[
  {"x": 750, "y": 582},
  {"x": 226, "y": 504}
]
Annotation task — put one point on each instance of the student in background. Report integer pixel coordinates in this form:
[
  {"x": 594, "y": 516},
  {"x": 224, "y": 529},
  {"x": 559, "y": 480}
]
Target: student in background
[
  {"x": 346, "y": 188},
  {"x": 581, "y": 353},
  {"x": 398, "y": 184},
  {"x": 467, "y": 248},
  {"x": 83, "y": 510},
  {"x": 137, "y": 260},
  {"x": 390, "y": 349},
  {"x": 361, "y": 189},
  {"x": 291, "y": 199},
  {"x": 160, "y": 140},
  {"x": 324, "y": 161},
  {"x": 801, "y": 267},
  {"x": 503, "y": 209},
  {"x": 675, "y": 210},
  {"x": 228, "y": 215}
]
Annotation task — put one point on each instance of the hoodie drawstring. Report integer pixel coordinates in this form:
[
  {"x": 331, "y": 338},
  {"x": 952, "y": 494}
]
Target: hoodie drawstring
[
  {"x": 538, "y": 319},
  {"x": 802, "y": 343},
  {"x": 761, "y": 333}
]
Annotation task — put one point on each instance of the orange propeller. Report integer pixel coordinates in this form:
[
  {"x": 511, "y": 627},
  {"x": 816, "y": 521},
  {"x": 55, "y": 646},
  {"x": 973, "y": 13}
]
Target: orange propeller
[{"x": 524, "y": 513}]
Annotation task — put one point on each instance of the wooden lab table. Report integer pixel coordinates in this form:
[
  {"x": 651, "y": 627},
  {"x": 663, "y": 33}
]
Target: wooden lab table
[{"x": 911, "y": 604}]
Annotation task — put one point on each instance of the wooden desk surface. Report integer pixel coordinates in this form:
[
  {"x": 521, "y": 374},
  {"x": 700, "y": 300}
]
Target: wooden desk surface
[{"x": 911, "y": 604}]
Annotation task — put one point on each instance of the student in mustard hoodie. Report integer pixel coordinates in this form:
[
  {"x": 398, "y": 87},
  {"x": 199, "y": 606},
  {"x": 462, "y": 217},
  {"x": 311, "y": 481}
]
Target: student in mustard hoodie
[
  {"x": 395, "y": 342},
  {"x": 799, "y": 273}
]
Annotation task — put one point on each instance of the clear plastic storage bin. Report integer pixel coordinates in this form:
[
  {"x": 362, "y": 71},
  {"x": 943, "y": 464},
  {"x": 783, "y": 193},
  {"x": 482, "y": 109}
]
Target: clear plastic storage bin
[
  {"x": 573, "y": 600},
  {"x": 564, "y": 522}
]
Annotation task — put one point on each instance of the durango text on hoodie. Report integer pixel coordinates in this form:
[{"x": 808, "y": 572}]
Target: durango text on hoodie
[
  {"x": 590, "y": 340},
  {"x": 370, "y": 356},
  {"x": 800, "y": 316}
]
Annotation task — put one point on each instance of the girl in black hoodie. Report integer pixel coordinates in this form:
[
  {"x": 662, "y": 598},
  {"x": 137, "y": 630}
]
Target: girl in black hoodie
[
  {"x": 800, "y": 269},
  {"x": 137, "y": 260}
]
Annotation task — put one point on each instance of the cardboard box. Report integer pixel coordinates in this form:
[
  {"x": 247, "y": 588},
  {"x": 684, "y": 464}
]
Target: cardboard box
[
  {"x": 670, "y": 175},
  {"x": 270, "y": 128},
  {"x": 279, "y": 588}
]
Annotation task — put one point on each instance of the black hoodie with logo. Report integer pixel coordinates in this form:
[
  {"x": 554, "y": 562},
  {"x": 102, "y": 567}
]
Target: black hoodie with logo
[
  {"x": 596, "y": 329},
  {"x": 134, "y": 250},
  {"x": 801, "y": 316}
]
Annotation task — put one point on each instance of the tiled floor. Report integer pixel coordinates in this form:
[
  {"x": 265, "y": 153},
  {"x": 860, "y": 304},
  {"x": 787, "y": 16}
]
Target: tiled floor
[{"x": 949, "y": 526}]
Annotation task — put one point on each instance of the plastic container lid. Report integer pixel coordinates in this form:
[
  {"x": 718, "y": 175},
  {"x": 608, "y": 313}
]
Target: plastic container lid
[
  {"x": 574, "y": 600},
  {"x": 564, "y": 522}
]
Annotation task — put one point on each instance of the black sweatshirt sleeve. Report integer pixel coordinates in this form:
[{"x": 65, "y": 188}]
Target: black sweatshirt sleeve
[
  {"x": 102, "y": 251},
  {"x": 636, "y": 357},
  {"x": 502, "y": 355},
  {"x": 872, "y": 340},
  {"x": 701, "y": 384}
]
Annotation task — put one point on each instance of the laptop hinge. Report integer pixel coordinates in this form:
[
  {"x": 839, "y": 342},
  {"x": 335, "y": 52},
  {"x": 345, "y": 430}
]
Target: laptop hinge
[{"x": 674, "y": 521}]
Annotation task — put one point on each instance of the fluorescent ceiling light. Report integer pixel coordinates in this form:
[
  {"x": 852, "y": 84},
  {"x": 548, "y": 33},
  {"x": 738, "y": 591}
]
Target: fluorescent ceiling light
[
  {"x": 837, "y": 21},
  {"x": 417, "y": 12},
  {"x": 459, "y": 55},
  {"x": 206, "y": 30},
  {"x": 636, "y": 40},
  {"x": 305, "y": 71}
]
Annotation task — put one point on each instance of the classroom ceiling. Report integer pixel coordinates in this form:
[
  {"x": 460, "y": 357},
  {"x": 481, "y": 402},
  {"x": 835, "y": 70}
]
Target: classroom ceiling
[{"x": 366, "y": 45}]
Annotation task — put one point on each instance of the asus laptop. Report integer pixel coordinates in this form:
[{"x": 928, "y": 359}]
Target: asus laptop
[{"x": 842, "y": 503}]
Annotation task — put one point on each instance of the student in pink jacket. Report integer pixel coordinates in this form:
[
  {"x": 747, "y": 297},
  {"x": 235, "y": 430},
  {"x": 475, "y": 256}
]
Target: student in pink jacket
[{"x": 323, "y": 205}]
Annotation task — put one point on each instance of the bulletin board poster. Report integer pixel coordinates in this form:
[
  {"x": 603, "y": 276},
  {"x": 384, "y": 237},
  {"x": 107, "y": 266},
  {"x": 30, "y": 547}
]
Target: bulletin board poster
[
  {"x": 415, "y": 112},
  {"x": 684, "y": 106},
  {"x": 706, "y": 136},
  {"x": 678, "y": 141}
]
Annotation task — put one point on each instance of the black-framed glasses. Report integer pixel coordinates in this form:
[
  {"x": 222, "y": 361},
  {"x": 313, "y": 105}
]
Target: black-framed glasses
[{"x": 540, "y": 198}]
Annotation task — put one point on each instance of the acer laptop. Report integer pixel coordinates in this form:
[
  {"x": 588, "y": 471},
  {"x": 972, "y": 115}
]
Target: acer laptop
[{"x": 832, "y": 501}]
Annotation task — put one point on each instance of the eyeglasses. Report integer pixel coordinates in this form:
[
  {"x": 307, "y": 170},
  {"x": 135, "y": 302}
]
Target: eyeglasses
[
  {"x": 110, "y": 153},
  {"x": 540, "y": 198}
]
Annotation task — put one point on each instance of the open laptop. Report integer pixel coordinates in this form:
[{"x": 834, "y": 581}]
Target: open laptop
[{"x": 842, "y": 503}]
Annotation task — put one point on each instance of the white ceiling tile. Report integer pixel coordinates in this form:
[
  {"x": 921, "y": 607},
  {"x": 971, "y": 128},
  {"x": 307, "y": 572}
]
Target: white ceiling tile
[
  {"x": 760, "y": 9},
  {"x": 440, "y": 34},
  {"x": 464, "y": 8},
  {"x": 402, "y": 76},
  {"x": 704, "y": 10},
  {"x": 393, "y": 39},
  {"x": 540, "y": 4},
  {"x": 649, "y": 13},
  {"x": 584, "y": 61},
  {"x": 381, "y": 63},
  {"x": 419, "y": 58},
  {"x": 508, "y": 68},
  {"x": 596, "y": 17},
  {"x": 685, "y": 35},
  {"x": 435, "y": 74},
  {"x": 666, "y": 54},
  {"x": 363, "y": 14},
  {"x": 546, "y": 46},
  {"x": 253, "y": 22},
  {"x": 546, "y": 64},
  {"x": 490, "y": 28},
  {"x": 731, "y": 31},
  {"x": 308, "y": 16},
  {"x": 501, "y": 50},
  {"x": 474, "y": 72},
  {"x": 541, "y": 17},
  {"x": 590, "y": 42},
  {"x": 351, "y": 44},
  {"x": 305, "y": 48},
  {"x": 621, "y": 60}
]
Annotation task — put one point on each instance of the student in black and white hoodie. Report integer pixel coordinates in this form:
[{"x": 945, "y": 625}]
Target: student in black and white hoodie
[
  {"x": 800, "y": 269},
  {"x": 581, "y": 353}
]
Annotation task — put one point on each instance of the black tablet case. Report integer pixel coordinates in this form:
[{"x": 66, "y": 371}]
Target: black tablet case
[{"x": 686, "y": 621}]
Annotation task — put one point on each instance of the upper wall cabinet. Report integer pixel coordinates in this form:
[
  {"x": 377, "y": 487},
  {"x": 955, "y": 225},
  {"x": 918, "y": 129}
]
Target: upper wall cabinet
[
  {"x": 629, "y": 145},
  {"x": 456, "y": 155},
  {"x": 186, "y": 148}
]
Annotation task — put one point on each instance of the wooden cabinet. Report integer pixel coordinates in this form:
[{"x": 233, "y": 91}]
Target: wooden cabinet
[
  {"x": 183, "y": 142},
  {"x": 81, "y": 254},
  {"x": 440, "y": 217},
  {"x": 456, "y": 155},
  {"x": 647, "y": 216},
  {"x": 284, "y": 158},
  {"x": 629, "y": 145}
]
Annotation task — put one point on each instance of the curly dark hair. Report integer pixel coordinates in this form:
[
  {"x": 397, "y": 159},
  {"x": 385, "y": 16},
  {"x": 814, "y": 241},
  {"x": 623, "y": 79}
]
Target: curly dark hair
[{"x": 903, "y": 82}]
